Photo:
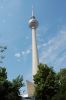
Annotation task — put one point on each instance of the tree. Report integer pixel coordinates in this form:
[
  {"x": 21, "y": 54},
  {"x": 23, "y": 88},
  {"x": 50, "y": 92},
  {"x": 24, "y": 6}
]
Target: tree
[
  {"x": 10, "y": 90},
  {"x": 2, "y": 53},
  {"x": 46, "y": 84},
  {"x": 61, "y": 95},
  {"x": 3, "y": 74}
]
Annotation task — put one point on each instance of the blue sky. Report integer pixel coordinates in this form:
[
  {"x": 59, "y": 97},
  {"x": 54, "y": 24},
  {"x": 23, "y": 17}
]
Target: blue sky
[{"x": 16, "y": 34}]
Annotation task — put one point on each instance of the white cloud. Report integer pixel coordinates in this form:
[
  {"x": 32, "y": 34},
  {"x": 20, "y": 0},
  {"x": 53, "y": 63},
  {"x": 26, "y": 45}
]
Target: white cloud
[
  {"x": 23, "y": 53},
  {"x": 18, "y": 55},
  {"x": 54, "y": 51},
  {"x": 26, "y": 52},
  {"x": 61, "y": 60}
]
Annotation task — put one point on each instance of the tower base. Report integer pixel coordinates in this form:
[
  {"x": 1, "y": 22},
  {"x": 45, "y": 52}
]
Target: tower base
[{"x": 30, "y": 88}]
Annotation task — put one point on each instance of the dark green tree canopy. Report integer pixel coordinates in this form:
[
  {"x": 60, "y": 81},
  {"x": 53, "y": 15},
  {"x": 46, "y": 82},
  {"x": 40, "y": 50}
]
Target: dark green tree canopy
[
  {"x": 61, "y": 95},
  {"x": 46, "y": 84},
  {"x": 3, "y": 74},
  {"x": 10, "y": 90}
]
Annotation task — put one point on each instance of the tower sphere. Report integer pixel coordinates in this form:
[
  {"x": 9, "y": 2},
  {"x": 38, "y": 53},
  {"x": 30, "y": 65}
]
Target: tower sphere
[{"x": 33, "y": 23}]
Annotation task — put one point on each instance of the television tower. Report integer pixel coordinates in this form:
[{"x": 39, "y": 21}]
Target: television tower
[{"x": 33, "y": 24}]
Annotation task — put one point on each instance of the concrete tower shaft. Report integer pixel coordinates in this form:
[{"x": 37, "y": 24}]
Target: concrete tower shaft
[
  {"x": 35, "y": 60},
  {"x": 33, "y": 24}
]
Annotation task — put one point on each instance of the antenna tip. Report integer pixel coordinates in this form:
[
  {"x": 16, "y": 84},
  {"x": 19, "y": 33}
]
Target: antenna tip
[{"x": 32, "y": 10}]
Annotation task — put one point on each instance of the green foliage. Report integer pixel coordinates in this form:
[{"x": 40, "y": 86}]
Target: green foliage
[
  {"x": 17, "y": 83},
  {"x": 50, "y": 85},
  {"x": 10, "y": 90},
  {"x": 3, "y": 74},
  {"x": 46, "y": 84},
  {"x": 61, "y": 95}
]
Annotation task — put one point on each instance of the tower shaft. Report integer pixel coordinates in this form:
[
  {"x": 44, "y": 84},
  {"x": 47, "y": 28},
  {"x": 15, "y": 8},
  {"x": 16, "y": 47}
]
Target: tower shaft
[
  {"x": 33, "y": 24},
  {"x": 35, "y": 60}
]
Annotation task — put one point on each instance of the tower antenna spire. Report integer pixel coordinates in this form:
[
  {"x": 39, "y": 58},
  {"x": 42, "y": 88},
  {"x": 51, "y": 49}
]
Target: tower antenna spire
[{"x": 32, "y": 10}]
